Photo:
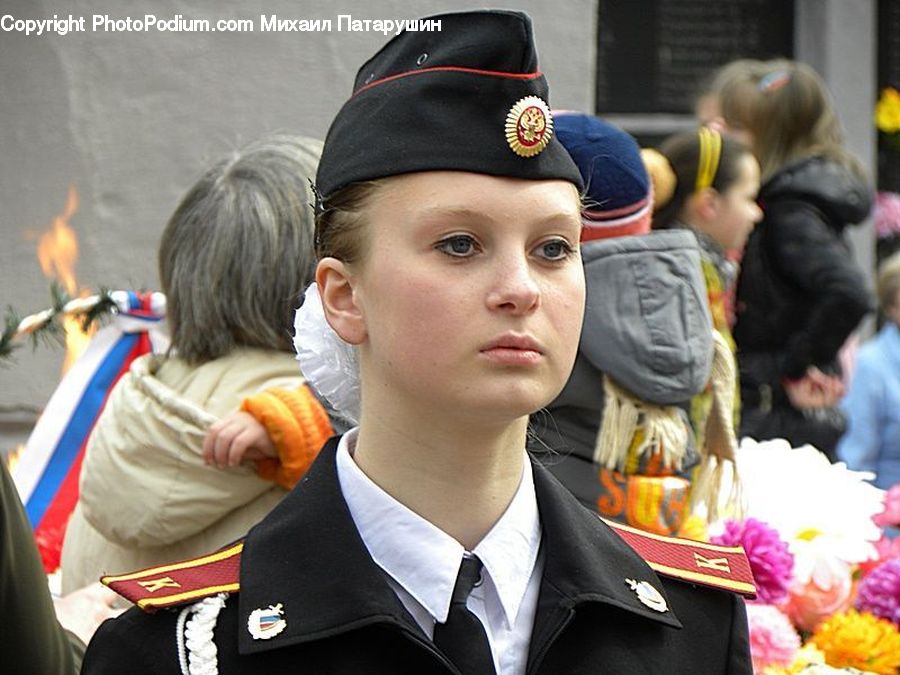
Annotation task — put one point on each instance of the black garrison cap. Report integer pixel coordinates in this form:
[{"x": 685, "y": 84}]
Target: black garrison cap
[{"x": 467, "y": 97}]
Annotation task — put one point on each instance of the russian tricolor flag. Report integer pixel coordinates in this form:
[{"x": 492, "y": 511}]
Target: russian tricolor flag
[{"x": 49, "y": 467}]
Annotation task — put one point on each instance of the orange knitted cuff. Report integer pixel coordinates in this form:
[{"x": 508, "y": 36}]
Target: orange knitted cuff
[{"x": 298, "y": 426}]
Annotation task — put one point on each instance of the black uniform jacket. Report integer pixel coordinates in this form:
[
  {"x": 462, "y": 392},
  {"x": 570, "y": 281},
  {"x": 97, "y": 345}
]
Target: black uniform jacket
[{"x": 342, "y": 616}]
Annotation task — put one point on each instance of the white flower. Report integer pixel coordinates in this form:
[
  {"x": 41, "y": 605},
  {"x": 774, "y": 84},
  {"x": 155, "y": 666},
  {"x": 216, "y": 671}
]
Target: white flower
[{"x": 821, "y": 509}]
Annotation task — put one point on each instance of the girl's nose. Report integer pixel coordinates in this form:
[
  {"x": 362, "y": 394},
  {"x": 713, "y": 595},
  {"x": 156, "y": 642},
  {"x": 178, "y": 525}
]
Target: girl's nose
[
  {"x": 757, "y": 213},
  {"x": 515, "y": 289}
]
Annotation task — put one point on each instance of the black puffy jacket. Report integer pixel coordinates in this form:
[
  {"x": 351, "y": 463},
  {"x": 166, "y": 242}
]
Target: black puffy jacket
[{"x": 800, "y": 294}]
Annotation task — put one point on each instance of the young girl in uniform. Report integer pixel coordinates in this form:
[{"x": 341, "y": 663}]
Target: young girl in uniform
[{"x": 424, "y": 540}]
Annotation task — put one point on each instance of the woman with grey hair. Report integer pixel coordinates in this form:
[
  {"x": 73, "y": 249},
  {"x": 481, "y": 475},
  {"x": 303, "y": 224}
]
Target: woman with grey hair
[{"x": 233, "y": 261}]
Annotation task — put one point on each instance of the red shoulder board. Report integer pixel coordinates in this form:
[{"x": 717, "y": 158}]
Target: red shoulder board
[
  {"x": 724, "y": 567},
  {"x": 181, "y": 582}
]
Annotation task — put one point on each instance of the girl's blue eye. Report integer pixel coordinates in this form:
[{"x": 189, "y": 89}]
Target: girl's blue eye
[
  {"x": 557, "y": 249},
  {"x": 460, "y": 246}
]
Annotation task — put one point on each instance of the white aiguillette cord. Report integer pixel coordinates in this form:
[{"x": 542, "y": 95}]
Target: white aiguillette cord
[{"x": 197, "y": 653}]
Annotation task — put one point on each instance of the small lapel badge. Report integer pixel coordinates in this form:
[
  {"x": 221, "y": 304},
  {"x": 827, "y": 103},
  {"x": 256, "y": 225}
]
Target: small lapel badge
[
  {"x": 648, "y": 595},
  {"x": 266, "y": 623}
]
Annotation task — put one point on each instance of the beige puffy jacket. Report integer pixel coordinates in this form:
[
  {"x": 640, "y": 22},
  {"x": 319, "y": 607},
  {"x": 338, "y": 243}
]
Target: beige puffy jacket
[{"x": 146, "y": 497}]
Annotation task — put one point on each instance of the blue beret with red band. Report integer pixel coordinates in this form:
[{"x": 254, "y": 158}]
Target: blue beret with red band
[
  {"x": 618, "y": 195},
  {"x": 466, "y": 97}
]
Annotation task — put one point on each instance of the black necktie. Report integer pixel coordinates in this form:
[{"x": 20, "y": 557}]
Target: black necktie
[{"x": 462, "y": 637}]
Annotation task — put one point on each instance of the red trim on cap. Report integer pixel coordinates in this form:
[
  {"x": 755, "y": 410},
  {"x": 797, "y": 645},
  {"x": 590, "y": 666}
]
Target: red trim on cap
[
  {"x": 452, "y": 69},
  {"x": 591, "y": 231},
  {"x": 613, "y": 213}
]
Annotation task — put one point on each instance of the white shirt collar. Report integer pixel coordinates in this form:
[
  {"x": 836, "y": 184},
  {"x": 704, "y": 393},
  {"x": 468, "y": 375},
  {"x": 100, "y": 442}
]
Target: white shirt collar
[{"x": 423, "y": 559}]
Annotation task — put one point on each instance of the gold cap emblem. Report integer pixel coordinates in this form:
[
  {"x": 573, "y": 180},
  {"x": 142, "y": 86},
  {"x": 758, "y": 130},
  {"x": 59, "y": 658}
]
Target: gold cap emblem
[{"x": 529, "y": 126}]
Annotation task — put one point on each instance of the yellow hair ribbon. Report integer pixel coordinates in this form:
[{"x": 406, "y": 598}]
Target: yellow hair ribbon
[{"x": 710, "y": 152}]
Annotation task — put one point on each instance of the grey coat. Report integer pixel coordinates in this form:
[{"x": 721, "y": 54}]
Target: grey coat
[{"x": 647, "y": 325}]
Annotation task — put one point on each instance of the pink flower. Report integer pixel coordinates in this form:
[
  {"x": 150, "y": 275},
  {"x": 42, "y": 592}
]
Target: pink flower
[
  {"x": 887, "y": 214},
  {"x": 888, "y": 548},
  {"x": 770, "y": 560},
  {"x": 891, "y": 514},
  {"x": 885, "y": 548},
  {"x": 773, "y": 640},
  {"x": 879, "y": 592},
  {"x": 823, "y": 591}
]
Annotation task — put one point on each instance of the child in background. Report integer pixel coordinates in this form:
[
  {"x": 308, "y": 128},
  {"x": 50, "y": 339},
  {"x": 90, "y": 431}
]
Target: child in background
[
  {"x": 617, "y": 436},
  {"x": 234, "y": 258},
  {"x": 872, "y": 404},
  {"x": 799, "y": 295},
  {"x": 708, "y": 106},
  {"x": 716, "y": 180}
]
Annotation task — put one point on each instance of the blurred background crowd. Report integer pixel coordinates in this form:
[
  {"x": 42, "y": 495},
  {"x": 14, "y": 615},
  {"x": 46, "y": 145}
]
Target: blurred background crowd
[{"x": 740, "y": 361}]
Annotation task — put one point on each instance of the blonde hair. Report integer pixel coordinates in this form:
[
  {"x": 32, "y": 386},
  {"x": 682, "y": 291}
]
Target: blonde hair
[
  {"x": 787, "y": 110},
  {"x": 889, "y": 282},
  {"x": 340, "y": 231},
  {"x": 712, "y": 84}
]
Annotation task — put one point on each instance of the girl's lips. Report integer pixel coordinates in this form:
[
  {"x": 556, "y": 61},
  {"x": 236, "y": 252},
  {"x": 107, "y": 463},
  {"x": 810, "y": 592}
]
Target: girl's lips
[
  {"x": 513, "y": 350},
  {"x": 512, "y": 357},
  {"x": 514, "y": 341}
]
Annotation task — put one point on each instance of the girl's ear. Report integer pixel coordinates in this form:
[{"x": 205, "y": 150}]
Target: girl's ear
[
  {"x": 339, "y": 301},
  {"x": 705, "y": 204}
]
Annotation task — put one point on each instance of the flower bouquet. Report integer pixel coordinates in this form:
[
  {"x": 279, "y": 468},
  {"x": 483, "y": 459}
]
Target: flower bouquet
[{"x": 828, "y": 580}]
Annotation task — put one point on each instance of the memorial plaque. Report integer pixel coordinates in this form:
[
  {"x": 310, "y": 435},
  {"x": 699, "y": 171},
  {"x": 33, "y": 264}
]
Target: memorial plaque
[
  {"x": 654, "y": 55},
  {"x": 888, "y": 76},
  {"x": 888, "y": 44}
]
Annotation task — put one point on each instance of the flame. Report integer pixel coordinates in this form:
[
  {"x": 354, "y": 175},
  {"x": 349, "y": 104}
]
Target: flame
[
  {"x": 76, "y": 339},
  {"x": 57, "y": 249},
  {"x": 57, "y": 253},
  {"x": 12, "y": 458}
]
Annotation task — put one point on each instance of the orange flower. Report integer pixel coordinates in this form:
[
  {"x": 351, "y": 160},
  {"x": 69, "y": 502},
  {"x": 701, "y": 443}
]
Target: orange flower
[
  {"x": 694, "y": 527},
  {"x": 808, "y": 655},
  {"x": 859, "y": 640}
]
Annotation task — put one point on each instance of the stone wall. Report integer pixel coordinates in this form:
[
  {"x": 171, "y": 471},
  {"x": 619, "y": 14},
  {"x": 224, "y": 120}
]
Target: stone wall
[{"x": 130, "y": 120}]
